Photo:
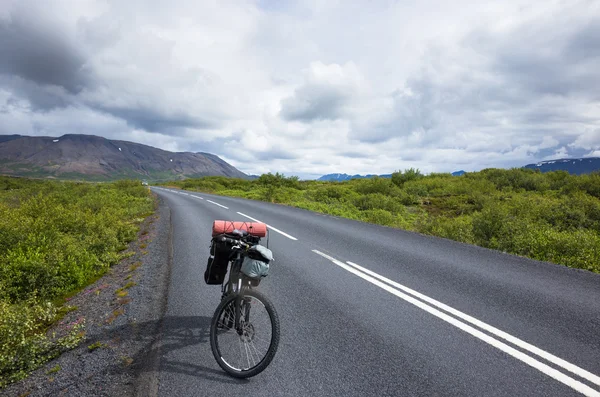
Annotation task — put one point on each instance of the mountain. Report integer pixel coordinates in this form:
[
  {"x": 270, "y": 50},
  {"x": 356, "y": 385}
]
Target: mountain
[
  {"x": 573, "y": 166},
  {"x": 346, "y": 177},
  {"x": 95, "y": 158},
  {"x": 458, "y": 173}
]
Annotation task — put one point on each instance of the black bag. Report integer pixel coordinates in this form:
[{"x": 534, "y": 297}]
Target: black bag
[{"x": 216, "y": 267}]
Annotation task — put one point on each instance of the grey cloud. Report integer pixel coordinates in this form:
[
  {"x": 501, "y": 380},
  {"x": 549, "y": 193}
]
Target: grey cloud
[
  {"x": 531, "y": 80},
  {"x": 43, "y": 64},
  {"x": 356, "y": 155},
  {"x": 546, "y": 57},
  {"x": 314, "y": 102},
  {"x": 584, "y": 44},
  {"x": 233, "y": 151},
  {"x": 276, "y": 154},
  {"x": 39, "y": 97},
  {"x": 552, "y": 117},
  {"x": 38, "y": 52},
  {"x": 417, "y": 111},
  {"x": 154, "y": 120}
]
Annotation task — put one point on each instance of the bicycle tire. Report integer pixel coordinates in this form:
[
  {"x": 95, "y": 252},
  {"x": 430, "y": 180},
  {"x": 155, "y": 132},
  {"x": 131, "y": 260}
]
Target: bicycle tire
[{"x": 214, "y": 342}]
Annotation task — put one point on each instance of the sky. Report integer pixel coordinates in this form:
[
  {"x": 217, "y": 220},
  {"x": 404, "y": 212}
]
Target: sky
[{"x": 311, "y": 87}]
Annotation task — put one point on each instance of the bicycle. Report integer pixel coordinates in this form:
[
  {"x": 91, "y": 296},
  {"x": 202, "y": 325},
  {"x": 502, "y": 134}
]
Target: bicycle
[{"x": 243, "y": 344}]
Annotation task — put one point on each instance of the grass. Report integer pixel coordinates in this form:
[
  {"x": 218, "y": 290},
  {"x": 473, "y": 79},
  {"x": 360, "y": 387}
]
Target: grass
[
  {"x": 53, "y": 370},
  {"x": 114, "y": 315},
  {"x": 122, "y": 292},
  {"x": 97, "y": 345}
]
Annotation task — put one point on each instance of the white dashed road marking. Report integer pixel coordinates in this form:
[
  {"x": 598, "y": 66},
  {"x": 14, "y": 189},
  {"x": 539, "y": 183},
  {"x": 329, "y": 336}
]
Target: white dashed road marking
[
  {"x": 212, "y": 202},
  {"x": 270, "y": 227}
]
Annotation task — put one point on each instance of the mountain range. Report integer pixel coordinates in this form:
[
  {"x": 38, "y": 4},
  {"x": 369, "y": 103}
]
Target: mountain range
[
  {"x": 89, "y": 157},
  {"x": 575, "y": 166},
  {"x": 92, "y": 157},
  {"x": 572, "y": 166},
  {"x": 346, "y": 177}
]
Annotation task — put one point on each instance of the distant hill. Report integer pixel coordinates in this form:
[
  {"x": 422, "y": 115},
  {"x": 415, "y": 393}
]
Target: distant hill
[
  {"x": 458, "y": 173},
  {"x": 573, "y": 166},
  {"x": 346, "y": 177},
  {"x": 95, "y": 158}
]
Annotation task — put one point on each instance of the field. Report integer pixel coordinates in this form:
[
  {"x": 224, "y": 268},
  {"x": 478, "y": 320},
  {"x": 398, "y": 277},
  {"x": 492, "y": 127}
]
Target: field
[
  {"x": 55, "y": 238},
  {"x": 552, "y": 217}
]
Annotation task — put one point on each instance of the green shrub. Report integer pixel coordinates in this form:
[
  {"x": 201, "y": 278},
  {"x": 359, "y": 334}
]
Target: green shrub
[
  {"x": 54, "y": 238},
  {"x": 380, "y": 217},
  {"x": 458, "y": 229},
  {"x": 24, "y": 345},
  {"x": 400, "y": 178},
  {"x": 374, "y": 185},
  {"x": 487, "y": 225}
]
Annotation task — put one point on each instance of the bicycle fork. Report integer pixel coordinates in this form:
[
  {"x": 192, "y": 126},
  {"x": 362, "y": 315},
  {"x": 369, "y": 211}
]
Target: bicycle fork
[{"x": 239, "y": 300}]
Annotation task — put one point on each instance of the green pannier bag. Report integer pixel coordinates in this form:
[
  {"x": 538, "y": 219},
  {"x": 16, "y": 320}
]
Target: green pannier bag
[{"x": 256, "y": 262}]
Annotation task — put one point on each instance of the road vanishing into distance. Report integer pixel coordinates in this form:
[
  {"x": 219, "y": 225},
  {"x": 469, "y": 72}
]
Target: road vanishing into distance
[{"x": 369, "y": 310}]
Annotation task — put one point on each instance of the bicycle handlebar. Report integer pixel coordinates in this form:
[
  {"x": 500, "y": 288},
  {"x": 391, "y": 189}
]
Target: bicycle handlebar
[{"x": 233, "y": 241}]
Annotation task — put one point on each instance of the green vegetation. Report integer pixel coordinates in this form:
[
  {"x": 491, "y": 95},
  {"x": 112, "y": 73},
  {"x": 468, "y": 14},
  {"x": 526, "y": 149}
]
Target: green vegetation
[
  {"x": 56, "y": 238},
  {"x": 552, "y": 217},
  {"x": 97, "y": 345},
  {"x": 53, "y": 370}
]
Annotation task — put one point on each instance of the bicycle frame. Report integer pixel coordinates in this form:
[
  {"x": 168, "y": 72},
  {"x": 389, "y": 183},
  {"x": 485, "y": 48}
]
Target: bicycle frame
[{"x": 236, "y": 285}]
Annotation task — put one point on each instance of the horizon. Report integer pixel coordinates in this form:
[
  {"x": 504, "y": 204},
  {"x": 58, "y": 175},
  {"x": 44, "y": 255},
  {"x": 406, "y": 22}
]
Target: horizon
[
  {"x": 302, "y": 176},
  {"x": 288, "y": 87}
]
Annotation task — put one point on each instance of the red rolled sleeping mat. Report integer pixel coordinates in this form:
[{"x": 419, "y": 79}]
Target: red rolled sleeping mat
[{"x": 253, "y": 228}]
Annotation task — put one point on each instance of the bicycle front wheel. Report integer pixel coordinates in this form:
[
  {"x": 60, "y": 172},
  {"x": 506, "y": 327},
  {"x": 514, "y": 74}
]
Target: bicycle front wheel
[{"x": 247, "y": 349}]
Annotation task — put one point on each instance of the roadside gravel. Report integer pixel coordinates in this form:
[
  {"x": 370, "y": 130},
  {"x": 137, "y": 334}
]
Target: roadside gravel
[{"x": 122, "y": 312}]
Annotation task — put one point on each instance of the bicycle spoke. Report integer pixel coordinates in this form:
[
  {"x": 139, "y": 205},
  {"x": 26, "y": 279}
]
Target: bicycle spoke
[
  {"x": 251, "y": 345},
  {"x": 248, "y": 355},
  {"x": 241, "y": 353},
  {"x": 256, "y": 343}
]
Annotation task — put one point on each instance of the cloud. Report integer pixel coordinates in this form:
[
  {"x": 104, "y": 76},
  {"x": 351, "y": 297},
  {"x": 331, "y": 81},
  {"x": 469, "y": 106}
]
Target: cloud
[
  {"x": 517, "y": 84},
  {"x": 156, "y": 120},
  {"x": 288, "y": 87},
  {"x": 325, "y": 94},
  {"x": 588, "y": 139},
  {"x": 39, "y": 51},
  {"x": 594, "y": 153}
]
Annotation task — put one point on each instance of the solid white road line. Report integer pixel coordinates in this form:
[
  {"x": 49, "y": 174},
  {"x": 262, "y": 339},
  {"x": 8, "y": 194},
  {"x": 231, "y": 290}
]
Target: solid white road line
[
  {"x": 217, "y": 204},
  {"x": 270, "y": 227},
  {"x": 580, "y": 387},
  {"x": 516, "y": 341}
]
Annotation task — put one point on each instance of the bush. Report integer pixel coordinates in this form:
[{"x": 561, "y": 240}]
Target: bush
[
  {"x": 55, "y": 238},
  {"x": 380, "y": 217},
  {"x": 400, "y": 178},
  {"x": 373, "y": 185},
  {"x": 488, "y": 224},
  {"x": 458, "y": 229},
  {"x": 24, "y": 345}
]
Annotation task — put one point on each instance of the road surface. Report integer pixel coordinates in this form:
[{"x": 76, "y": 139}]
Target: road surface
[{"x": 369, "y": 310}]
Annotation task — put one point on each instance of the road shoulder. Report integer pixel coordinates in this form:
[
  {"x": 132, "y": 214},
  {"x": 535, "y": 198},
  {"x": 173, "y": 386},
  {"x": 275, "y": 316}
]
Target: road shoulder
[{"x": 122, "y": 313}]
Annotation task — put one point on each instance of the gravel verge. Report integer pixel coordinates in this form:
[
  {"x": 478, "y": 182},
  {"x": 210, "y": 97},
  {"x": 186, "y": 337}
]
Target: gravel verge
[{"x": 122, "y": 313}]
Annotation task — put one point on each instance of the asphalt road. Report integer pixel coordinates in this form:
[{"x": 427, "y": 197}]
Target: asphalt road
[{"x": 369, "y": 310}]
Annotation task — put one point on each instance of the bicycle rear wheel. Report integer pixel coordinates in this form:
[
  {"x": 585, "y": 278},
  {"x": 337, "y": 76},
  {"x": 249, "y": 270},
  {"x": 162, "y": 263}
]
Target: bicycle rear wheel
[{"x": 247, "y": 350}]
